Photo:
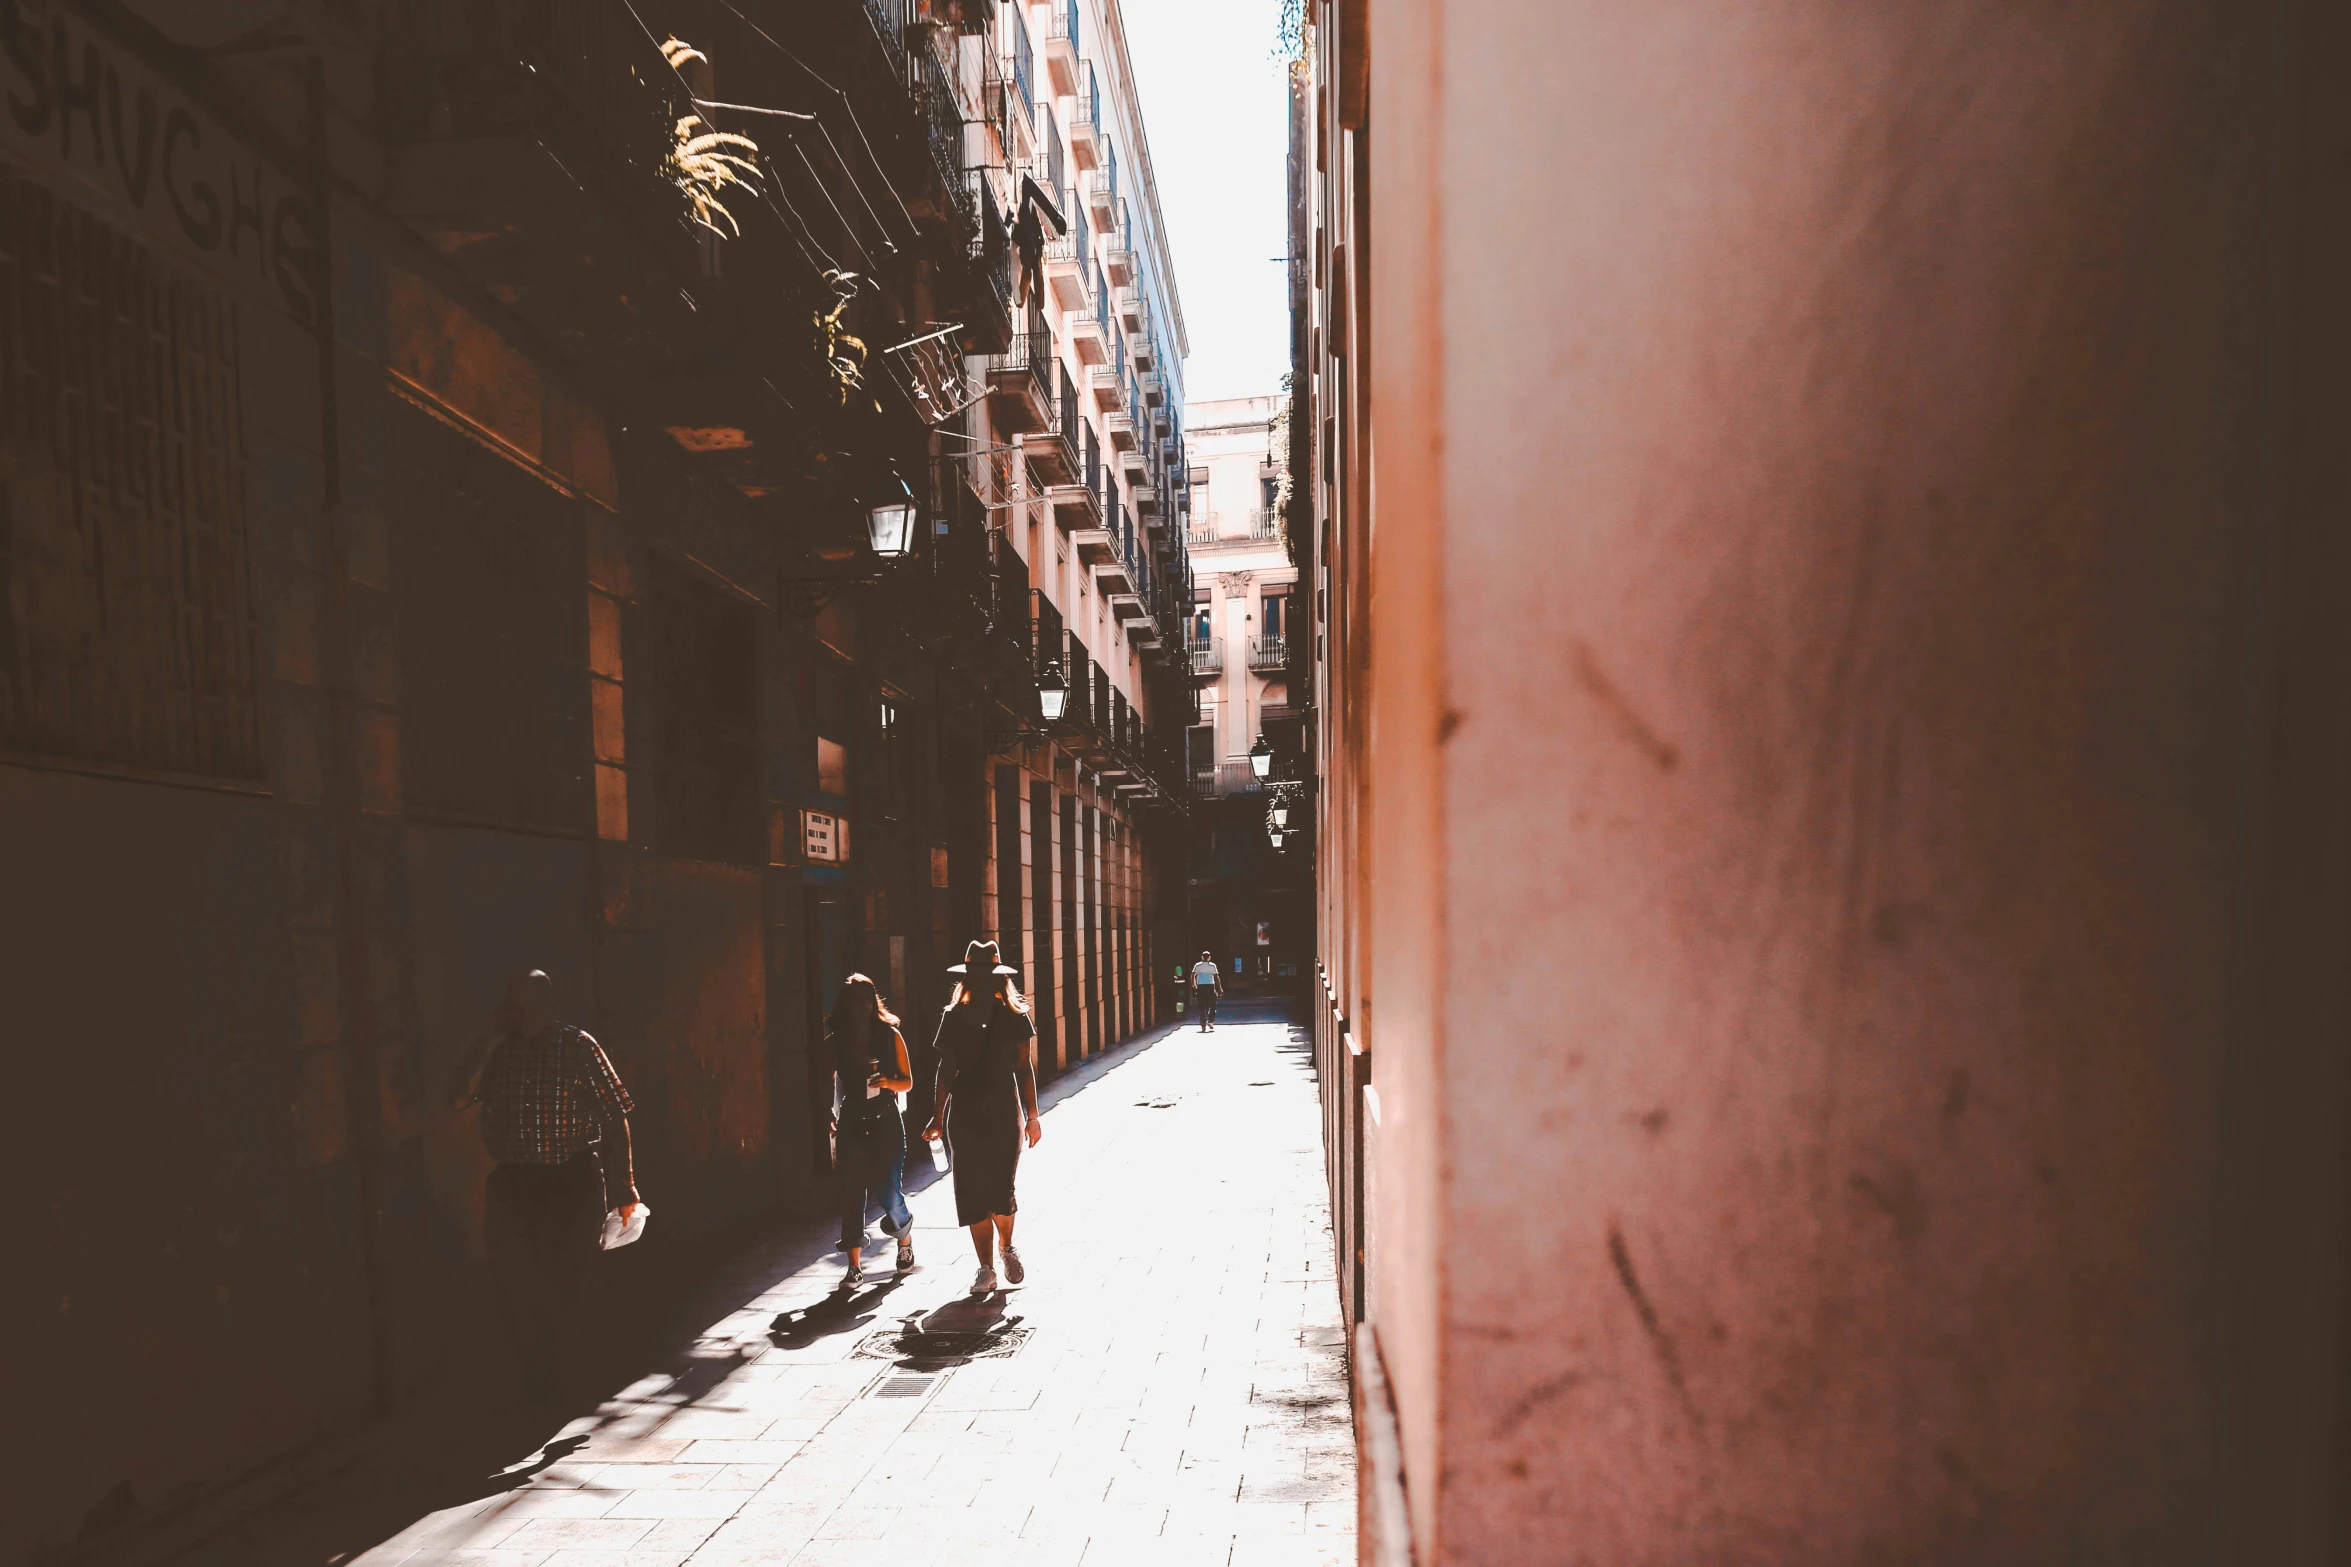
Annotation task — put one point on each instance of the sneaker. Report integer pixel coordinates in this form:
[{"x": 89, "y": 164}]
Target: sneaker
[
  {"x": 1013, "y": 1271},
  {"x": 854, "y": 1277},
  {"x": 905, "y": 1255},
  {"x": 983, "y": 1282}
]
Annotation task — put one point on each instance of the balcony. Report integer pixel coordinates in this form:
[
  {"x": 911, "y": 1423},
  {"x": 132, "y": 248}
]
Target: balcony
[
  {"x": 538, "y": 170},
  {"x": 1061, "y": 48},
  {"x": 1077, "y": 508},
  {"x": 1065, "y": 271},
  {"x": 1103, "y": 382},
  {"x": 1050, "y": 458},
  {"x": 1088, "y": 338},
  {"x": 988, "y": 326},
  {"x": 1208, "y": 657},
  {"x": 1020, "y": 389},
  {"x": 1121, "y": 431},
  {"x": 1226, "y": 778},
  {"x": 1130, "y": 312},
  {"x": 1099, "y": 190},
  {"x": 1268, "y": 653},
  {"x": 1050, "y": 640},
  {"x": 1114, "y": 579},
  {"x": 1118, "y": 263},
  {"x": 1096, "y": 546},
  {"x": 1132, "y": 464},
  {"x": 1004, "y": 94},
  {"x": 1153, "y": 390},
  {"x": 1218, "y": 533},
  {"x": 1085, "y": 123}
]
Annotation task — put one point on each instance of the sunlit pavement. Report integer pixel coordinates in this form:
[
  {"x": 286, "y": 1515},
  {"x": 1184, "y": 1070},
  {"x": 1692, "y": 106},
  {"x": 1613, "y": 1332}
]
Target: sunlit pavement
[{"x": 1167, "y": 1386}]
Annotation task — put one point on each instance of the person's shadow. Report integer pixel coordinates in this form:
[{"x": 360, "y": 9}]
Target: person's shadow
[{"x": 843, "y": 1311}]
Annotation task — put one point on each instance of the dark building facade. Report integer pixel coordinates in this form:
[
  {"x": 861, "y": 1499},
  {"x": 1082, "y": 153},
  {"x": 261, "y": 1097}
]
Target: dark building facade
[{"x": 434, "y": 493}]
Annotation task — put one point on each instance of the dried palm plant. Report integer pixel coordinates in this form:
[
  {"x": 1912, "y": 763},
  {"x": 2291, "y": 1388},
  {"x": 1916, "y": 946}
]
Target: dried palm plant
[
  {"x": 703, "y": 162},
  {"x": 844, "y": 355}
]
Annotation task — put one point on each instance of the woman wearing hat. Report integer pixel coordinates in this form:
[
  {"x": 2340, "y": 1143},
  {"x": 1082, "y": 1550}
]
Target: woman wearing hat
[{"x": 987, "y": 1103}]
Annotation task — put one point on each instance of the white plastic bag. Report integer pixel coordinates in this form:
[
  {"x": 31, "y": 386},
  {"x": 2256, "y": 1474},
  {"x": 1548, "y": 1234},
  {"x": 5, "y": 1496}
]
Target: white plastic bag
[{"x": 619, "y": 1232}]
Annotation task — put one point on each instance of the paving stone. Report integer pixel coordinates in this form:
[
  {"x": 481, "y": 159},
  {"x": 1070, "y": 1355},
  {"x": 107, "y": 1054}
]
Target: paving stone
[{"x": 1177, "y": 1394}]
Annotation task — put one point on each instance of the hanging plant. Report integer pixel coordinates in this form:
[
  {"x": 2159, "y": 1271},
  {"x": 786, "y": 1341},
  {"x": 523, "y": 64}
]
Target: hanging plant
[
  {"x": 702, "y": 163},
  {"x": 844, "y": 354}
]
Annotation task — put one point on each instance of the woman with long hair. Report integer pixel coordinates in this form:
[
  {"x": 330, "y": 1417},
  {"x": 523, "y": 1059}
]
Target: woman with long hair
[
  {"x": 986, "y": 1103},
  {"x": 870, "y": 1071}
]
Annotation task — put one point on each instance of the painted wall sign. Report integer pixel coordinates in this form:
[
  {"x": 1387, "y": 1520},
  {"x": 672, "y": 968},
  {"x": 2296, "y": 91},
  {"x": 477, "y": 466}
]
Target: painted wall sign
[{"x": 74, "y": 102}]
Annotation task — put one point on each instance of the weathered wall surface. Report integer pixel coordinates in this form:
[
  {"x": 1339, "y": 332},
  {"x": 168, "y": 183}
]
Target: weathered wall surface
[
  {"x": 1886, "y": 1065},
  {"x": 184, "y": 1199}
]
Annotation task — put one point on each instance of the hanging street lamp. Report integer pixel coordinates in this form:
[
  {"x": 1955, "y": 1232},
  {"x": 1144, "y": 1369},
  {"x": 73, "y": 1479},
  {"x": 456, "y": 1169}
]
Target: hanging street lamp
[
  {"x": 1281, "y": 815},
  {"x": 1261, "y": 756},
  {"x": 1053, "y": 692},
  {"x": 889, "y": 520}
]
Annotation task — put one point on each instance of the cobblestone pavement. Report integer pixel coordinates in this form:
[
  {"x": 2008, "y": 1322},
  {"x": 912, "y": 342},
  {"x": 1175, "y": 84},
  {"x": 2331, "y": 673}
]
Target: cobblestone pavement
[{"x": 1167, "y": 1386}]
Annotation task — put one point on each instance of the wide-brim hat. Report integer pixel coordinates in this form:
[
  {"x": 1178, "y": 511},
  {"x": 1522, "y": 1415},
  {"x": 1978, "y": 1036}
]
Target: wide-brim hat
[{"x": 986, "y": 958}]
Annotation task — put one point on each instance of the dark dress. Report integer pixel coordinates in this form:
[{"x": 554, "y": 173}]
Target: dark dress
[{"x": 979, "y": 1052}]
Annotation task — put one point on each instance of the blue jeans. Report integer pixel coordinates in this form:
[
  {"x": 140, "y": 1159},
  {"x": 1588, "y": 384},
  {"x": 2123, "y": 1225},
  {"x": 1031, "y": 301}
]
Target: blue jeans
[{"x": 871, "y": 1165}]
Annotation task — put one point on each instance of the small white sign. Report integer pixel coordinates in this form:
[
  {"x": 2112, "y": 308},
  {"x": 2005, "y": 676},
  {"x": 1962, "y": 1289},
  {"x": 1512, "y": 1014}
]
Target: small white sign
[{"x": 824, "y": 837}]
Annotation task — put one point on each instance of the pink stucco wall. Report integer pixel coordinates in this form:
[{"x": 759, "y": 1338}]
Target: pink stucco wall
[{"x": 1859, "y": 751}]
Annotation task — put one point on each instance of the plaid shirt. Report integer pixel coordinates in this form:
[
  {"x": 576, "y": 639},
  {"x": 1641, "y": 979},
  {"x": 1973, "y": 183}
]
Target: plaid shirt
[{"x": 547, "y": 1099}]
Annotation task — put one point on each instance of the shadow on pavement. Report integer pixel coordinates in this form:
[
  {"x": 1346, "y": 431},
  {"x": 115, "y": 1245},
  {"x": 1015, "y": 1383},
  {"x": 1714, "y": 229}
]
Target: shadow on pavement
[{"x": 466, "y": 1441}]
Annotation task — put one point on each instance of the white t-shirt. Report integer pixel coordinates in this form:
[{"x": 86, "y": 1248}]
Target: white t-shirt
[{"x": 1204, "y": 973}]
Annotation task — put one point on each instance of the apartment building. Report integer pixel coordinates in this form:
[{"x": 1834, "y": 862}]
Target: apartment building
[
  {"x": 1830, "y": 718},
  {"x": 1078, "y": 447},
  {"x": 1248, "y": 868},
  {"x": 454, "y": 519}
]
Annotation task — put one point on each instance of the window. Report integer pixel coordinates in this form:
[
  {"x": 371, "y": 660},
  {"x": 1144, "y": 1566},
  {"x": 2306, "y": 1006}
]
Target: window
[
  {"x": 490, "y": 568},
  {"x": 126, "y": 609},
  {"x": 1274, "y": 606},
  {"x": 708, "y": 727},
  {"x": 891, "y": 757},
  {"x": 832, "y": 766}
]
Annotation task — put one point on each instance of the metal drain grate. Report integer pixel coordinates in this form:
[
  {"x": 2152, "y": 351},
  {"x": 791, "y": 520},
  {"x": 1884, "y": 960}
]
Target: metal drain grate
[
  {"x": 913, "y": 1386},
  {"x": 941, "y": 1348}
]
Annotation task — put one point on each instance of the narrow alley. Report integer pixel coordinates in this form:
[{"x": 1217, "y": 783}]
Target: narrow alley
[{"x": 1169, "y": 1385}]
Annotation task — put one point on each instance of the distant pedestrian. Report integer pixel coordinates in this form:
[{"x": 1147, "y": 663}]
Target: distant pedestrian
[
  {"x": 986, "y": 1103},
  {"x": 556, "y": 1120},
  {"x": 1207, "y": 986},
  {"x": 870, "y": 1071}
]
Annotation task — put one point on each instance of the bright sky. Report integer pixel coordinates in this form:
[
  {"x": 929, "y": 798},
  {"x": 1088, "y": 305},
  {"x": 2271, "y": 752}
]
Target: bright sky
[{"x": 1217, "y": 111}]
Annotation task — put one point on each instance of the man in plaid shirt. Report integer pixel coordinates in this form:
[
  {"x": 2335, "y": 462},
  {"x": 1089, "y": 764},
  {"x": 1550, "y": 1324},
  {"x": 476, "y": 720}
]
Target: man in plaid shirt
[{"x": 553, "y": 1112}]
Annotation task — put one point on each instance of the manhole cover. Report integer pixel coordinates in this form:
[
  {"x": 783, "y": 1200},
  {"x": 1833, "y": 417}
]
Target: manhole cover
[{"x": 940, "y": 1348}]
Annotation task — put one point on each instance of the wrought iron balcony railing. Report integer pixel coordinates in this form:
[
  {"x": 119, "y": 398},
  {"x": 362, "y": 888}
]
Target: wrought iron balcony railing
[{"x": 1268, "y": 653}]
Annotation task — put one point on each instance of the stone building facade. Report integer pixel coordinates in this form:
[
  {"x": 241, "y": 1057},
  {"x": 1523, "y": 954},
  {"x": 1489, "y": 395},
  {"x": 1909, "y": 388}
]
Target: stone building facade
[
  {"x": 437, "y": 503},
  {"x": 1832, "y": 723},
  {"x": 1248, "y": 899}
]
